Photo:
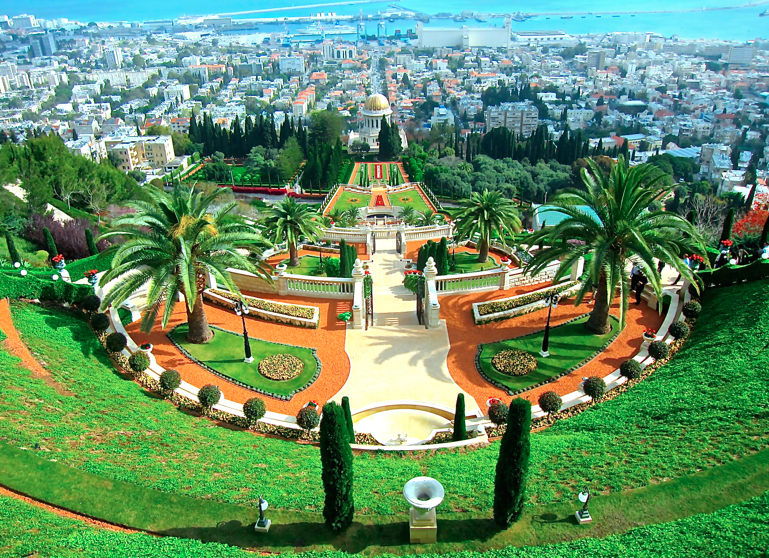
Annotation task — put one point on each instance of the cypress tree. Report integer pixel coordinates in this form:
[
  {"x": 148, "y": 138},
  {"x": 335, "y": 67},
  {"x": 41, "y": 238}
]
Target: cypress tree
[
  {"x": 460, "y": 428},
  {"x": 348, "y": 418},
  {"x": 513, "y": 465},
  {"x": 726, "y": 232},
  {"x": 50, "y": 245},
  {"x": 422, "y": 257},
  {"x": 352, "y": 255},
  {"x": 92, "y": 248},
  {"x": 337, "y": 474},
  {"x": 442, "y": 259},
  {"x": 752, "y": 195},
  {"x": 385, "y": 139},
  {"x": 13, "y": 253},
  {"x": 432, "y": 250},
  {"x": 344, "y": 261}
]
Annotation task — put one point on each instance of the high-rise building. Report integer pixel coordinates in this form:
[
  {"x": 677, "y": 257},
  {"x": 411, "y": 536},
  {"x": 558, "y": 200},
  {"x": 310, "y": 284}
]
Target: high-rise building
[
  {"x": 24, "y": 21},
  {"x": 740, "y": 55},
  {"x": 45, "y": 46},
  {"x": 114, "y": 57},
  {"x": 519, "y": 118},
  {"x": 596, "y": 59}
]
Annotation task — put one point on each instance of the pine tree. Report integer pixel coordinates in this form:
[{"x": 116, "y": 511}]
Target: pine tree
[
  {"x": 337, "y": 465},
  {"x": 92, "y": 248},
  {"x": 460, "y": 426},
  {"x": 726, "y": 232},
  {"x": 513, "y": 465},
  {"x": 348, "y": 418},
  {"x": 50, "y": 245},
  {"x": 13, "y": 253},
  {"x": 344, "y": 260}
]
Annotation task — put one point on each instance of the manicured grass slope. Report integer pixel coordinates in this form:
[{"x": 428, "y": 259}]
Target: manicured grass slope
[
  {"x": 343, "y": 202},
  {"x": 706, "y": 407},
  {"x": 409, "y": 198},
  {"x": 225, "y": 353},
  {"x": 26, "y": 530},
  {"x": 569, "y": 345},
  {"x": 467, "y": 262},
  {"x": 308, "y": 265}
]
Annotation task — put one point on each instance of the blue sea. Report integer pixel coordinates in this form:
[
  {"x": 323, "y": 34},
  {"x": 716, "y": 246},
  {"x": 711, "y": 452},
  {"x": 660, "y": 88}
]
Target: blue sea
[{"x": 740, "y": 24}]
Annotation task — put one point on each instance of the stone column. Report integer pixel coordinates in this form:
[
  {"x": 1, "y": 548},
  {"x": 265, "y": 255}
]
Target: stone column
[
  {"x": 357, "y": 301},
  {"x": 280, "y": 279},
  {"x": 577, "y": 269}
]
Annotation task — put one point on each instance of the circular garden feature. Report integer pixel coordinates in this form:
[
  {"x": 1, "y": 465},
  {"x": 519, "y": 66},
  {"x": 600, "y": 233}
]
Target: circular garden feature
[
  {"x": 281, "y": 367},
  {"x": 514, "y": 362}
]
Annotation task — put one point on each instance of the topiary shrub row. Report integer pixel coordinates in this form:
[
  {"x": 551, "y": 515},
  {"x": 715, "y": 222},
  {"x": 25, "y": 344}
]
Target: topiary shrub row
[
  {"x": 659, "y": 350},
  {"x": 630, "y": 369},
  {"x": 209, "y": 395},
  {"x": 138, "y": 362},
  {"x": 13, "y": 286},
  {"x": 307, "y": 418},
  {"x": 595, "y": 387},
  {"x": 692, "y": 309},
  {"x": 679, "y": 330}
]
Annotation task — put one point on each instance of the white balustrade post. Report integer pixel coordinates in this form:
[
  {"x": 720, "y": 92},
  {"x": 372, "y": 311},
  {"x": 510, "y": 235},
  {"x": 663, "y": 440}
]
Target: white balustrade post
[
  {"x": 211, "y": 281},
  {"x": 433, "y": 306},
  {"x": 281, "y": 279},
  {"x": 504, "y": 282},
  {"x": 357, "y": 301},
  {"x": 577, "y": 269},
  {"x": 402, "y": 232}
]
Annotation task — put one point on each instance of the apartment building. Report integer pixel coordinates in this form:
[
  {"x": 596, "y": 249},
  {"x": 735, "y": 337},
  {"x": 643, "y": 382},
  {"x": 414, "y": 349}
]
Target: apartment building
[
  {"x": 90, "y": 147},
  {"x": 519, "y": 118},
  {"x": 133, "y": 152}
]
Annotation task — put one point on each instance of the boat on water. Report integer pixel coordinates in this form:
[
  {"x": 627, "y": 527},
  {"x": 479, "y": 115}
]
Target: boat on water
[
  {"x": 318, "y": 29},
  {"x": 567, "y": 17},
  {"x": 764, "y": 13}
]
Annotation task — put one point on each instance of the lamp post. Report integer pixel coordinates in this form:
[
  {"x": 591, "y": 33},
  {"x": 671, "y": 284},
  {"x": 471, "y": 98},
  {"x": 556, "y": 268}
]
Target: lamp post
[
  {"x": 583, "y": 516},
  {"x": 263, "y": 524},
  {"x": 241, "y": 310},
  {"x": 552, "y": 302}
]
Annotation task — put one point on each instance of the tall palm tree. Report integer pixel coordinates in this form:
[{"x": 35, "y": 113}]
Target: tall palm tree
[
  {"x": 611, "y": 221},
  {"x": 172, "y": 242},
  {"x": 486, "y": 214},
  {"x": 289, "y": 221},
  {"x": 409, "y": 215},
  {"x": 429, "y": 219}
]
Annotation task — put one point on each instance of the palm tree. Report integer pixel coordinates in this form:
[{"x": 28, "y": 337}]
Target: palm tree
[
  {"x": 350, "y": 217},
  {"x": 408, "y": 215},
  {"x": 611, "y": 221},
  {"x": 486, "y": 214},
  {"x": 429, "y": 219},
  {"x": 289, "y": 221},
  {"x": 172, "y": 242}
]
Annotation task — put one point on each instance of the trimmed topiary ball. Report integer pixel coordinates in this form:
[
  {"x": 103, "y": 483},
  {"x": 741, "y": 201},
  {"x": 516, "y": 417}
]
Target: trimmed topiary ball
[
  {"x": 679, "y": 330},
  {"x": 254, "y": 410},
  {"x": 595, "y": 387},
  {"x": 170, "y": 380},
  {"x": 658, "y": 350},
  {"x": 498, "y": 413},
  {"x": 307, "y": 418},
  {"x": 115, "y": 342},
  {"x": 209, "y": 395},
  {"x": 631, "y": 369},
  {"x": 91, "y": 303},
  {"x": 692, "y": 309},
  {"x": 100, "y": 322},
  {"x": 550, "y": 402},
  {"x": 138, "y": 362}
]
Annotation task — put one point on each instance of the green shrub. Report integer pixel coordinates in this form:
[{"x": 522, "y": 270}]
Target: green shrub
[
  {"x": 658, "y": 350},
  {"x": 460, "y": 423},
  {"x": 679, "y": 330},
  {"x": 50, "y": 244},
  {"x": 550, "y": 402},
  {"x": 100, "y": 322},
  {"x": 90, "y": 303},
  {"x": 13, "y": 252},
  {"x": 170, "y": 380},
  {"x": 595, "y": 387},
  {"x": 692, "y": 309},
  {"x": 498, "y": 413},
  {"x": 307, "y": 418},
  {"x": 337, "y": 468},
  {"x": 513, "y": 465},
  {"x": 254, "y": 409},
  {"x": 138, "y": 362},
  {"x": 630, "y": 369},
  {"x": 209, "y": 395},
  {"x": 348, "y": 418},
  {"x": 116, "y": 342},
  {"x": 91, "y": 243}
]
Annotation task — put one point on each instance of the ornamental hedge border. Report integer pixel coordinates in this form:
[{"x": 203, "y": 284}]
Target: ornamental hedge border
[
  {"x": 519, "y": 301},
  {"x": 549, "y": 380},
  {"x": 203, "y": 365},
  {"x": 309, "y": 313},
  {"x": 731, "y": 274},
  {"x": 40, "y": 286}
]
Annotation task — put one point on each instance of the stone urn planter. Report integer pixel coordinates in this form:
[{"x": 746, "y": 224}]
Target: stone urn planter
[
  {"x": 648, "y": 336},
  {"x": 146, "y": 347}
]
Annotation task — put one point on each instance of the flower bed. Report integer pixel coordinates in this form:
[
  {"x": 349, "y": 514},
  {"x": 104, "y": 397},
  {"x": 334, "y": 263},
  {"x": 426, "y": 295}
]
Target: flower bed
[
  {"x": 514, "y": 362},
  {"x": 506, "y": 308},
  {"x": 280, "y": 312},
  {"x": 281, "y": 367}
]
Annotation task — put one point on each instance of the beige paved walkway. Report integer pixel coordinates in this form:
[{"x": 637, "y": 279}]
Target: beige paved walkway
[{"x": 398, "y": 359}]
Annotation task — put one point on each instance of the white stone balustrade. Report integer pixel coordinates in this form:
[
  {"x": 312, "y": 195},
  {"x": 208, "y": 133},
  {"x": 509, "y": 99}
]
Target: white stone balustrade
[
  {"x": 432, "y": 306},
  {"x": 427, "y": 233},
  {"x": 357, "y": 301}
]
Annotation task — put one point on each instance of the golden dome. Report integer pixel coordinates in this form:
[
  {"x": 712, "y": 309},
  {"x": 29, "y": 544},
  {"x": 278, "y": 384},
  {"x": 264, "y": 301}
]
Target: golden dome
[{"x": 377, "y": 102}]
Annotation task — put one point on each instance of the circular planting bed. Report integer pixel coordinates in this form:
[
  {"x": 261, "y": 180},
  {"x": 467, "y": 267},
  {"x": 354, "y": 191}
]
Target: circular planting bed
[
  {"x": 405, "y": 199},
  {"x": 353, "y": 200},
  {"x": 513, "y": 362},
  {"x": 281, "y": 367}
]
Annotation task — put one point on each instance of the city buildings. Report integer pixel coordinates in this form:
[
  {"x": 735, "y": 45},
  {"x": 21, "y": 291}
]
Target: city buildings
[{"x": 519, "y": 118}]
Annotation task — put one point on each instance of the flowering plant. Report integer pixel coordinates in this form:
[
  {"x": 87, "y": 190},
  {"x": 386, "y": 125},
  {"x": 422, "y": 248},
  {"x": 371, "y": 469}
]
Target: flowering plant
[
  {"x": 57, "y": 259},
  {"x": 697, "y": 258},
  {"x": 648, "y": 332},
  {"x": 368, "y": 272},
  {"x": 91, "y": 273},
  {"x": 493, "y": 401},
  {"x": 312, "y": 404},
  {"x": 727, "y": 243},
  {"x": 145, "y": 346}
]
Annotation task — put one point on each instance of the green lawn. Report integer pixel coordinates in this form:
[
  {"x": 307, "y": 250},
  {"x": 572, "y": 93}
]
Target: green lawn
[
  {"x": 224, "y": 353},
  {"x": 467, "y": 262},
  {"x": 409, "y": 198},
  {"x": 345, "y": 201},
  {"x": 569, "y": 346},
  {"x": 308, "y": 265}
]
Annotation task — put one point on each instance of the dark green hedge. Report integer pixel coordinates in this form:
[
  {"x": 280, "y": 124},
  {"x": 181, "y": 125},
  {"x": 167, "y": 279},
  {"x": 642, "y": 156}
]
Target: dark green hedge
[
  {"x": 731, "y": 274},
  {"x": 42, "y": 287}
]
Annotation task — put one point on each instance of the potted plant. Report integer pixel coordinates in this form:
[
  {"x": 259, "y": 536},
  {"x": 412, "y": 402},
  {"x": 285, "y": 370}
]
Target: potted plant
[
  {"x": 58, "y": 262},
  {"x": 146, "y": 347},
  {"x": 649, "y": 335},
  {"x": 505, "y": 261},
  {"x": 91, "y": 276}
]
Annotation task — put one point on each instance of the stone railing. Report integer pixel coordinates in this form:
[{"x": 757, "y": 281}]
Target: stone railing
[
  {"x": 520, "y": 279},
  {"x": 282, "y": 315},
  {"x": 358, "y": 236},
  {"x": 432, "y": 316},
  {"x": 328, "y": 198},
  {"x": 246, "y": 281},
  {"x": 537, "y": 299},
  {"x": 317, "y": 287},
  {"x": 426, "y": 233},
  {"x": 479, "y": 281}
]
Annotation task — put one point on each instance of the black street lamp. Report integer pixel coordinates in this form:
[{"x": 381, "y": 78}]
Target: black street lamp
[
  {"x": 552, "y": 302},
  {"x": 241, "y": 310},
  {"x": 583, "y": 516}
]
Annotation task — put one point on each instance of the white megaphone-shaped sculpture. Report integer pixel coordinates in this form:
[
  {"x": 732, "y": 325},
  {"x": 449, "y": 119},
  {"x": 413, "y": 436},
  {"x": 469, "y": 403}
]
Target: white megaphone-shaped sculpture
[{"x": 424, "y": 494}]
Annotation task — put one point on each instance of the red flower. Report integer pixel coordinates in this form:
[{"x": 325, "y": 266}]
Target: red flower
[
  {"x": 91, "y": 273},
  {"x": 650, "y": 332},
  {"x": 57, "y": 259}
]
